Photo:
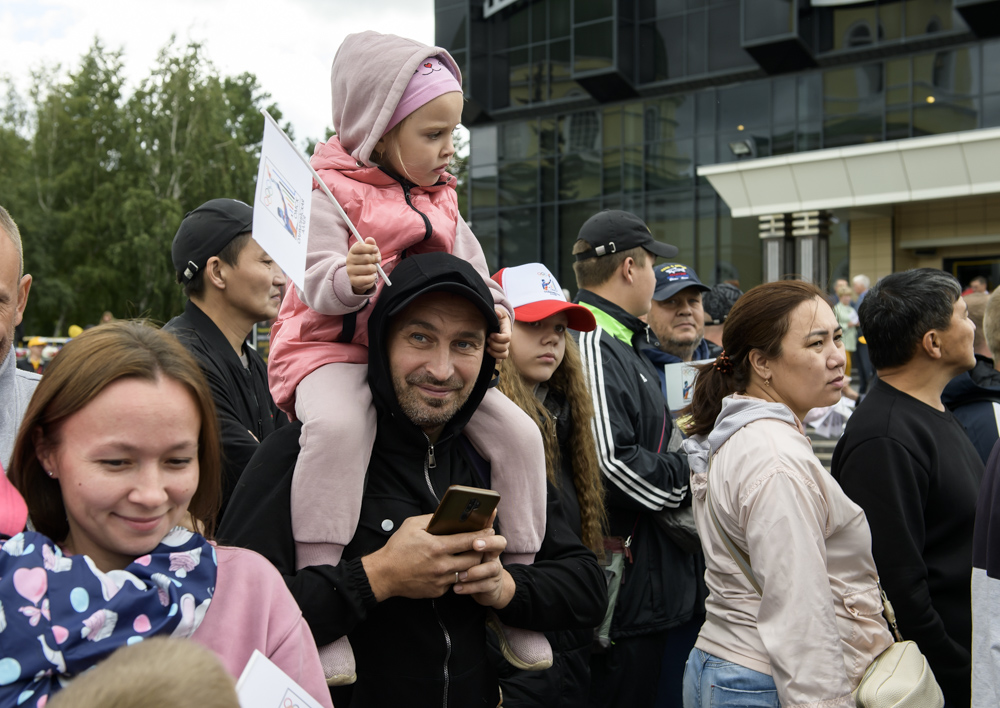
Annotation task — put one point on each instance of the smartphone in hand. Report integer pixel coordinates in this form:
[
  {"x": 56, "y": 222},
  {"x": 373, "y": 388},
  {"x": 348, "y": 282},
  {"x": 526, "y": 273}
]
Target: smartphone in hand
[{"x": 463, "y": 509}]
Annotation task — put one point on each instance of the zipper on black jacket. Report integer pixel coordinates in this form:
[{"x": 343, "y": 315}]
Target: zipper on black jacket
[
  {"x": 430, "y": 463},
  {"x": 447, "y": 655},
  {"x": 427, "y": 222},
  {"x": 260, "y": 421}
]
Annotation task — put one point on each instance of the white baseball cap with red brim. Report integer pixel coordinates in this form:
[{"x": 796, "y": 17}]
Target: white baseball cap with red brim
[{"x": 535, "y": 294}]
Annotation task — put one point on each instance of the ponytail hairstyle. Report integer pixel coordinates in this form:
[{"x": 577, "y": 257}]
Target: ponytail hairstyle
[
  {"x": 759, "y": 320},
  {"x": 568, "y": 380}
]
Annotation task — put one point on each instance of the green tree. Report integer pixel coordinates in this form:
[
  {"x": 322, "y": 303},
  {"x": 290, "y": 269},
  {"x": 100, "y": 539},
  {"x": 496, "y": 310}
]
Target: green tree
[
  {"x": 99, "y": 181},
  {"x": 78, "y": 125},
  {"x": 196, "y": 136}
]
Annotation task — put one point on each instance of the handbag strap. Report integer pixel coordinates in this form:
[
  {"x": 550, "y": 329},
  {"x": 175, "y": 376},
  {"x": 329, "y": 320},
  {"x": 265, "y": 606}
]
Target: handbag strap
[{"x": 743, "y": 560}]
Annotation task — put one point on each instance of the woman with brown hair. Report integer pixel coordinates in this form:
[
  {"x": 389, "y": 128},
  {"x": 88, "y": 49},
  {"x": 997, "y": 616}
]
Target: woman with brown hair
[
  {"x": 118, "y": 450},
  {"x": 544, "y": 377},
  {"x": 804, "y": 631}
]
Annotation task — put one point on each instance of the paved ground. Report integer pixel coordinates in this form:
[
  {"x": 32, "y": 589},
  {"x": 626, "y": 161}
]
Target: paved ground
[{"x": 823, "y": 447}]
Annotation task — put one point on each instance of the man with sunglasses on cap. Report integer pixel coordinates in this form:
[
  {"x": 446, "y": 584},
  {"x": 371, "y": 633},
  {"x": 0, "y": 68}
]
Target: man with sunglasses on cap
[
  {"x": 677, "y": 319},
  {"x": 231, "y": 284},
  {"x": 657, "y": 613}
]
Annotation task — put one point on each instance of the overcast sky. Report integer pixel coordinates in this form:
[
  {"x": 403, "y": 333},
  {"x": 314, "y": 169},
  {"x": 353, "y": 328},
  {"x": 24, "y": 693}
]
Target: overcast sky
[{"x": 288, "y": 44}]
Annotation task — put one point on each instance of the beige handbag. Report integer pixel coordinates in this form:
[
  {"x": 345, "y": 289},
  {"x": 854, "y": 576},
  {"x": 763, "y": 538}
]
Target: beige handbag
[{"x": 899, "y": 677}]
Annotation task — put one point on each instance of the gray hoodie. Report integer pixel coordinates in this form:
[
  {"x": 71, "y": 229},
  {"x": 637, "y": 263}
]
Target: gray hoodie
[
  {"x": 16, "y": 387},
  {"x": 808, "y": 544}
]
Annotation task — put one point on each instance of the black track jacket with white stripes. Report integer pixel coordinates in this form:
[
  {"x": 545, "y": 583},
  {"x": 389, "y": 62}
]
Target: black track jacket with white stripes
[{"x": 632, "y": 427}]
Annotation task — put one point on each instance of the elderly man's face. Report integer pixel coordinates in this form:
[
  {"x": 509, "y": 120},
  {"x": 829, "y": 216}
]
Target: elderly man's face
[
  {"x": 13, "y": 293},
  {"x": 435, "y": 348},
  {"x": 679, "y": 322}
]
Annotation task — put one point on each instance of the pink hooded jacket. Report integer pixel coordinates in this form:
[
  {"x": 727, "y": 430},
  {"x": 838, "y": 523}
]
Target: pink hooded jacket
[{"x": 321, "y": 320}]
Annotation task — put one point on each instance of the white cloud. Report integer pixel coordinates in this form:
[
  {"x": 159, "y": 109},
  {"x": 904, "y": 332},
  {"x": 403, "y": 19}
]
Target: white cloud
[{"x": 288, "y": 44}]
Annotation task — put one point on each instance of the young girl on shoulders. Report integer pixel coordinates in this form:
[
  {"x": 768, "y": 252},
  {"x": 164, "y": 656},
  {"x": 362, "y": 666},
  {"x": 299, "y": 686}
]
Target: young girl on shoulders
[{"x": 396, "y": 103}]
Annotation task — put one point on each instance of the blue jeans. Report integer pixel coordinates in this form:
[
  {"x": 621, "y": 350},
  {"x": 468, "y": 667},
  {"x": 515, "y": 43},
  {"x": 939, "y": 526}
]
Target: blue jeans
[{"x": 710, "y": 682}]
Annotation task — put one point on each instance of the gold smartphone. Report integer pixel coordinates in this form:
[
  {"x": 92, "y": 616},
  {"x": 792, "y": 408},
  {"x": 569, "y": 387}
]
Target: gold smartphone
[{"x": 463, "y": 509}]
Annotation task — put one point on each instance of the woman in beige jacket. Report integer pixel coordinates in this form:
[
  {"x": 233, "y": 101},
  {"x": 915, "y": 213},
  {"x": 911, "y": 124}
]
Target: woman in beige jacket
[{"x": 815, "y": 626}]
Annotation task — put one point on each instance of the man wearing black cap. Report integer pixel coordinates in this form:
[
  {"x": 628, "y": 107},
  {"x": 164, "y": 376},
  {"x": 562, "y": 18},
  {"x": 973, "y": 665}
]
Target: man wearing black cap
[
  {"x": 655, "y": 618},
  {"x": 677, "y": 319},
  {"x": 231, "y": 284}
]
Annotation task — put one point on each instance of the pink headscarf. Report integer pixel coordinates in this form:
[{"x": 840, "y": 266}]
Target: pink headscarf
[{"x": 431, "y": 79}]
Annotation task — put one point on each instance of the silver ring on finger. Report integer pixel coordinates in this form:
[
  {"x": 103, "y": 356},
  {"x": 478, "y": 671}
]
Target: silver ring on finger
[{"x": 456, "y": 577}]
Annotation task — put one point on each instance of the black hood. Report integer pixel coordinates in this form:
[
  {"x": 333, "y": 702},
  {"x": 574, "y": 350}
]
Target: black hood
[
  {"x": 415, "y": 276},
  {"x": 982, "y": 383}
]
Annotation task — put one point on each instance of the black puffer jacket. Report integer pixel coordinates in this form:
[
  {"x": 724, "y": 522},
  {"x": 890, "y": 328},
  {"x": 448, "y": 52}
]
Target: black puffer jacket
[{"x": 411, "y": 652}]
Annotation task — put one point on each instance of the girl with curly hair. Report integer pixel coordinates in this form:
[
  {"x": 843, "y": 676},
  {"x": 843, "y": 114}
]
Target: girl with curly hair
[{"x": 544, "y": 377}]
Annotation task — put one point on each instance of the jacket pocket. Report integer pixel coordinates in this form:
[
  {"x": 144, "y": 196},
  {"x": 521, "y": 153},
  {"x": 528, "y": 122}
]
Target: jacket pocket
[
  {"x": 864, "y": 603},
  {"x": 859, "y": 629},
  {"x": 381, "y": 516}
]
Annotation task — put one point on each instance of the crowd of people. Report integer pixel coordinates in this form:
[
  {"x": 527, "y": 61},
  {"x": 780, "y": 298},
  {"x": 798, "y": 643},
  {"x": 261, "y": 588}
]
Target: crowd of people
[{"x": 171, "y": 503}]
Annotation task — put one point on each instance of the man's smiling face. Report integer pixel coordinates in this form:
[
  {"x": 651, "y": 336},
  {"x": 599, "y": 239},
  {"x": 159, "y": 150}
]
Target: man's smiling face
[{"x": 435, "y": 350}]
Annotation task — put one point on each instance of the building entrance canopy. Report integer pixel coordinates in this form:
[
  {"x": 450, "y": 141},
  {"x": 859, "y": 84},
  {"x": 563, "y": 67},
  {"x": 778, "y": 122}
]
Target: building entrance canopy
[{"x": 893, "y": 172}]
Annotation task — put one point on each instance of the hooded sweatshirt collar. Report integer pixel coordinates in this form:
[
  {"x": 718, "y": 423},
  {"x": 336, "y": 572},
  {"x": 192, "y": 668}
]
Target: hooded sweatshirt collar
[
  {"x": 737, "y": 412},
  {"x": 982, "y": 383},
  {"x": 332, "y": 155}
]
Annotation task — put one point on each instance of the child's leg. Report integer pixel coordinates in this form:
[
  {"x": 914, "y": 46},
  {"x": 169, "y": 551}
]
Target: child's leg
[
  {"x": 507, "y": 437},
  {"x": 334, "y": 404}
]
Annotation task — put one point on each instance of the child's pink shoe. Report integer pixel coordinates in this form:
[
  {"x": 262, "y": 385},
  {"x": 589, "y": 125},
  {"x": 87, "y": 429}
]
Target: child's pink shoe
[
  {"x": 337, "y": 659},
  {"x": 522, "y": 648}
]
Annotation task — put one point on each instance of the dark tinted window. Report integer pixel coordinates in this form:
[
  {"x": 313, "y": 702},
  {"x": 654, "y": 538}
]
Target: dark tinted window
[
  {"x": 518, "y": 236},
  {"x": 767, "y": 18},
  {"x": 724, "y": 50},
  {"x": 594, "y": 45}
]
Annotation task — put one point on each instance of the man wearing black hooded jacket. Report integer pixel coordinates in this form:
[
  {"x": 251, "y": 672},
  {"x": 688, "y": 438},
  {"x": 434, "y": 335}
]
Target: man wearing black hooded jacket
[{"x": 413, "y": 605}]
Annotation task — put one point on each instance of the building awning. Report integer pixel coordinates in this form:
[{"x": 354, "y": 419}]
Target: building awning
[{"x": 932, "y": 167}]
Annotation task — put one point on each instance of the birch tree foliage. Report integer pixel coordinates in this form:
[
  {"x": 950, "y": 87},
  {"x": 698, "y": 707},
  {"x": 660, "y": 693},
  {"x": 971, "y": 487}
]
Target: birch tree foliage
[{"x": 98, "y": 177}]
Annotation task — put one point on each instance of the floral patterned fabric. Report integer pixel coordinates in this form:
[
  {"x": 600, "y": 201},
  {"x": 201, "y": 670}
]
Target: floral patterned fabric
[{"x": 60, "y": 615}]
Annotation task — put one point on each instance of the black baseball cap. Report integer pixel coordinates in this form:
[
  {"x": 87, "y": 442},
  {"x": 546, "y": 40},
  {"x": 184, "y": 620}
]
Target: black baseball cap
[
  {"x": 671, "y": 278},
  {"x": 205, "y": 231},
  {"x": 611, "y": 231}
]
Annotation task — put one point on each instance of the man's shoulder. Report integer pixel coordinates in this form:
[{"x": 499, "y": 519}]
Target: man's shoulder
[
  {"x": 26, "y": 380},
  {"x": 889, "y": 419},
  {"x": 184, "y": 329},
  {"x": 196, "y": 338},
  {"x": 600, "y": 347}
]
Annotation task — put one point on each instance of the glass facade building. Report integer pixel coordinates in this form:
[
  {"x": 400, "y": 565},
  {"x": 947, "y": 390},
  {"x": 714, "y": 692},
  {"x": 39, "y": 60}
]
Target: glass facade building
[{"x": 579, "y": 105}]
